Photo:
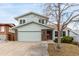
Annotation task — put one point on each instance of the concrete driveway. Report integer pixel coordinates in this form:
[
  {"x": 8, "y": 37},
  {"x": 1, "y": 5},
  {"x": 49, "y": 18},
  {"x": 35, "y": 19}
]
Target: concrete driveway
[{"x": 15, "y": 48}]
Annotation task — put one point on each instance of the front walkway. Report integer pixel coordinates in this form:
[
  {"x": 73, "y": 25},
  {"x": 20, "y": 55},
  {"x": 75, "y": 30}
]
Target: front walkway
[{"x": 15, "y": 48}]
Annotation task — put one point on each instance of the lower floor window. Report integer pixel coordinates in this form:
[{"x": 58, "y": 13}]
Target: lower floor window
[
  {"x": 56, "y": 33},
  {"x": 63, "y": 33}
]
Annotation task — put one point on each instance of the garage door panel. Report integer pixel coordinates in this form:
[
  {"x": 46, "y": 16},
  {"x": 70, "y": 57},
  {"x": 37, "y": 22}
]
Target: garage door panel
[{"x": 29, "y": 36}]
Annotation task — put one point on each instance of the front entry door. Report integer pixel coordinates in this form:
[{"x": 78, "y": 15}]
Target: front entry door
[{"x": 44, "y": 35}]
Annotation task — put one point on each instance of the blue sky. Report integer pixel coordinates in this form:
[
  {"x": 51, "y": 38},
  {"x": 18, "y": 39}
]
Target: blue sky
[{"x": 10, "y": 10}]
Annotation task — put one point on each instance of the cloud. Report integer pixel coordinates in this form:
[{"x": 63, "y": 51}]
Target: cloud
[{"x": 10, "y": 10}]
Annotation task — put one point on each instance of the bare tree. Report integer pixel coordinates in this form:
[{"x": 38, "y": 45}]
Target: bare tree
[{"x": 61, "y": 13}]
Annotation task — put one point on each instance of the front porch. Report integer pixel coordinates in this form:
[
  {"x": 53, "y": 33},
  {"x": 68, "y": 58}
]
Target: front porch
[{"x": 47, "y": 34}]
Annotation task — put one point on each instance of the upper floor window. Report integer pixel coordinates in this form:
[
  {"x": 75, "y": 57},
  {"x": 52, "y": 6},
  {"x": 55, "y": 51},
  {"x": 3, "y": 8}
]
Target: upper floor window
[
  {"x": 42, "y": 21},
  {"x": 39, "y": 21},
  {"x": 22, "y": 21}
]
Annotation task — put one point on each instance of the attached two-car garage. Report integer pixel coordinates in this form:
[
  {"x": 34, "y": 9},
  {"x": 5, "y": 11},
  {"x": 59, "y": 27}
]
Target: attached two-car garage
[
  {"x": 29, "y": 36},
  {"x": 30, "y": 31}
]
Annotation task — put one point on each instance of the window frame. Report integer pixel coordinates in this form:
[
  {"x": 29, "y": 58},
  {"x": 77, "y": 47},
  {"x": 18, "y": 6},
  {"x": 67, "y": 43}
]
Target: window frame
[
  {"x": 56, "y": 35},
  {"x": 61, "y": 35},
  {"x": 42, "y": 21},
  {"x": 21, "y": 21},
  {"x": 39, "y": 21},
  {"x": 64, "y": 33},
  {"x": 46, "y": 21}
]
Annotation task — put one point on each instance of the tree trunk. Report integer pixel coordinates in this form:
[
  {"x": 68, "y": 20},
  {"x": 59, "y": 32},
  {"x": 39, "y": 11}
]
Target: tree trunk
[
  {"x": 59, "y": 37},
  {"x": 58, "y": 27}
]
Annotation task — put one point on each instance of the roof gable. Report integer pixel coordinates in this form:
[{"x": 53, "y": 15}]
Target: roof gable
[
  {"x": 31, "y": 13},
  {"x": 5, "y": 24}
]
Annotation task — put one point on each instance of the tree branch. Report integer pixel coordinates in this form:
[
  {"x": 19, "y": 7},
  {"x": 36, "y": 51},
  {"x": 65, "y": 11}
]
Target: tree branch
[
  {"x": 72, "y": 5},
  {"x": 70, "y": 16},
  {"x": 65, "y": 25}
]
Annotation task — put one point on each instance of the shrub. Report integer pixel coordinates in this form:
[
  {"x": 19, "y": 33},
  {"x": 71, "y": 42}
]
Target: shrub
[{"x": 65, "y": 39}]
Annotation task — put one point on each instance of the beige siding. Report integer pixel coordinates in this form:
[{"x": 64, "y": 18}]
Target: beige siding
[
  {"x": 32, "y": 27},
  {"x": 30, "y": 18},
  {"x": 30, "y": 32}
]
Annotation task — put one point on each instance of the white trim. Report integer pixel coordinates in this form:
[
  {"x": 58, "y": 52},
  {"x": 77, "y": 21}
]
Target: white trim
[{"x": 30, "y": 23}]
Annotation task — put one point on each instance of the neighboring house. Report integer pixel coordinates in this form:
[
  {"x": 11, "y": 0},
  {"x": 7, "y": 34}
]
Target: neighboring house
[
  {"x": 34, "y": 27},
  {"x": 6, "y": 33}
]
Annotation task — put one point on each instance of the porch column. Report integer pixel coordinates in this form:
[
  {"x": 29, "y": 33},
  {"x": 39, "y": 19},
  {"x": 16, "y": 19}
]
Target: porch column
[{"x": 45, "y": 35}]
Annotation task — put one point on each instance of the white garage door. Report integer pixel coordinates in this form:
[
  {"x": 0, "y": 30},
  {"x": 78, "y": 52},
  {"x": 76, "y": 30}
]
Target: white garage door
[{"x": 29, "y": 36}]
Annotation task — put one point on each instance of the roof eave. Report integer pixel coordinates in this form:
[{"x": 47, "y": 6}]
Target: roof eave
[{"x": 32, "y": 22}]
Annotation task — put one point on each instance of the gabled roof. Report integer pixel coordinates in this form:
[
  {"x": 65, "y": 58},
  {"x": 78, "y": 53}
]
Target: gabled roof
[
  {"x": 7, "y": 24},
  {"x": 30, "y": 23},
  {"x": 31, "y": 13}
]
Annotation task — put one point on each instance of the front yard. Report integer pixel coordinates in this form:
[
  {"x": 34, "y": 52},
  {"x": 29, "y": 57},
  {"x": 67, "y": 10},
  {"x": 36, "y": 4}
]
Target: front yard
[
  {"x": 66, "y": 50},
  {"x": 15, "y": 48}
]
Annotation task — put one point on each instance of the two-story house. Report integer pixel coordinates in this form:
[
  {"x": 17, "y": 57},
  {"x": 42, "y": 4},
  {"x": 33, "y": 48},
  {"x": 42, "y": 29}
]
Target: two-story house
[
  {"x": 34, "y": 27},
  {"x": 6, "y": 32}
]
